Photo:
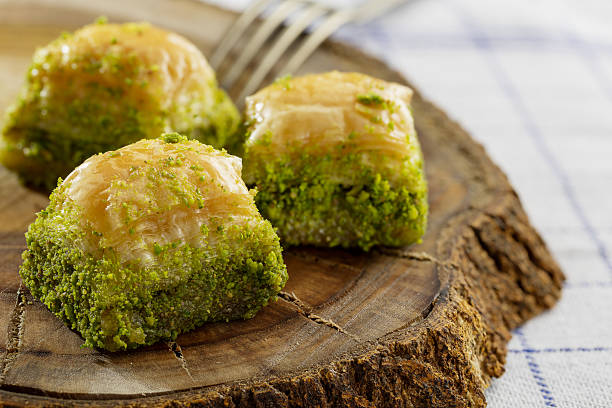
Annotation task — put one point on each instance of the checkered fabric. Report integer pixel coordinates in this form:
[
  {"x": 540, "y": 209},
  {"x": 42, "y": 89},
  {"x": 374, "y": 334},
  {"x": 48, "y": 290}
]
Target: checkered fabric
[{"x": 532, "y": 81}]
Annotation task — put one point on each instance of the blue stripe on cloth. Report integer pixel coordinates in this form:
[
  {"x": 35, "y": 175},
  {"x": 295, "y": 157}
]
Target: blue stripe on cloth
[
  {"x": 586, "y": 285},
  {"x": 415, "y": 40},
  {"x": 504, "y": 82},
  {"x": 536, "y": 373},
  {"x": 561, "y": 350},
  {"x": 591, "y": 60},
  {"x": 481, "y": 43}
]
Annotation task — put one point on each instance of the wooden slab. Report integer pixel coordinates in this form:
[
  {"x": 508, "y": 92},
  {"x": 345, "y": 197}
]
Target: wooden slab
[{"x": 424, "y": 326}]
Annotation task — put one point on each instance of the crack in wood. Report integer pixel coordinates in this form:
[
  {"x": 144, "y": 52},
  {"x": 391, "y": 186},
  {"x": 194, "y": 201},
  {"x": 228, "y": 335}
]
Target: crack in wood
[
  {"x": 317, "y": 259},
  {"x": 306, "y": 311},
  {"x": 416, "y": 256},
  {"x": 14, "y": 335},
  {"x": 174, "y": 347},
  {"x": 504, "y": 251}
]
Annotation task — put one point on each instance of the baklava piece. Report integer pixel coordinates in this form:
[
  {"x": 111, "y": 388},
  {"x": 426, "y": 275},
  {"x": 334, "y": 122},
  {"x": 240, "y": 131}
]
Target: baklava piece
[
  {"x": 140, "y": 244},
  {"x": 336, "y": 161}
]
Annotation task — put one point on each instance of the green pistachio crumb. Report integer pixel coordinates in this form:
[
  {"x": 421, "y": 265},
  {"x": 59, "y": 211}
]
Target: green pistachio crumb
[
  {"x": 173, "y": 137},
  {"x": 370, "y": 99},
  {"x": 284, "y": 81}
]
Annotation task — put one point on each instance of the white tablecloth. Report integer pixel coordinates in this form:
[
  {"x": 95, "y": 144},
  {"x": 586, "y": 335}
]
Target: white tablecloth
[{"x": 532, "y": 81}]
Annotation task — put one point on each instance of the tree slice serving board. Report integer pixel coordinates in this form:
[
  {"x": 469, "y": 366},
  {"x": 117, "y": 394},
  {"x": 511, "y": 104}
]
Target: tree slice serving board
[{"x": 423, "y": 326}]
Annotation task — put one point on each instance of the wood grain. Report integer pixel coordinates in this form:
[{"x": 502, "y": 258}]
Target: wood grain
[{"x": 421, "y": 326}]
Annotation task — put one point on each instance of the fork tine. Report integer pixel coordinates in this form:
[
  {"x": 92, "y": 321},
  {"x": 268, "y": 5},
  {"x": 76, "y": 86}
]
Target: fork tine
[
  {"x": 255, "y": 43},
  {"x": 308, "y": 16},
  {"x": 236, "y": 30},
  {"x": 365, "y": 12},
  {"x": 330, "y": 25}
]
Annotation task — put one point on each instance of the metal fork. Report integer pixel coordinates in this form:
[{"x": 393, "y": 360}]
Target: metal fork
[{"x": 296, "y": 16}]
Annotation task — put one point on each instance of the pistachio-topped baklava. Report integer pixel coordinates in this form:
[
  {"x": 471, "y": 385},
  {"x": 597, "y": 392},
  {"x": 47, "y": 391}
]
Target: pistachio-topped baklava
[
  {"x": 142, "y": 243},
  {"x": 105, "y": 86},
  {"x": 336, "y": 161}
]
